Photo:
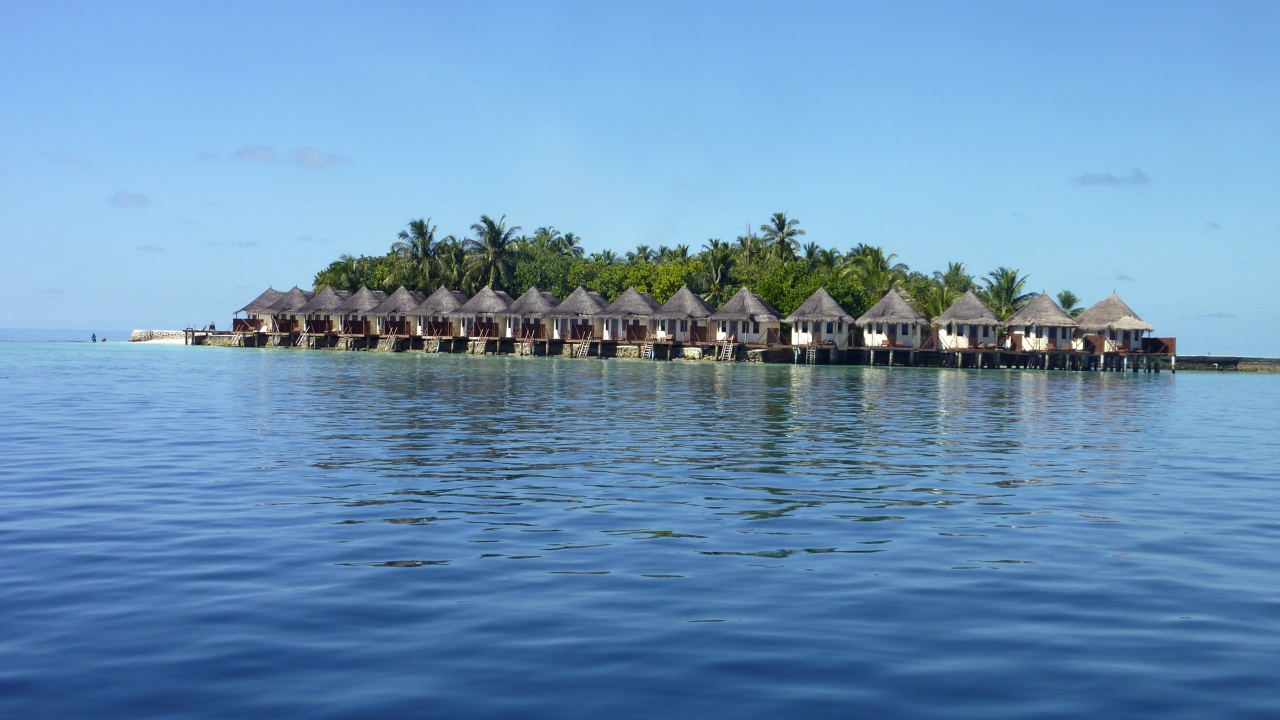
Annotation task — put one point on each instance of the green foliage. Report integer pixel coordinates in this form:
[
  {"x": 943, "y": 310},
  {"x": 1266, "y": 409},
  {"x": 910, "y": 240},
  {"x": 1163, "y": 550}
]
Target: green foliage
[{"x": 771, "y": 263}]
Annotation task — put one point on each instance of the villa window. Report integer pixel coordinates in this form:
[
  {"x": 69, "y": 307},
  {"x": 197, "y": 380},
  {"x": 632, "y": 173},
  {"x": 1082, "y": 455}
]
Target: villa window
[
  {"x": 985, "y": 330},
  {"x": 879, "y": 328},
  {"x": 828, "y": 328},
  {"x": 906, "y": 329},
  {"x": 684, "y": 324}
]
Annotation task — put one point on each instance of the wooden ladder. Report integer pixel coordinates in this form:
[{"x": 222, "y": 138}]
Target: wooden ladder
[
  {"x": 725, "y": 351},
  {"x": 302, "y": 339},
  {"x": 646, "y": 352},
  {"x": 585, "y": 347},
  {"x": 433, "y": 345},
  {"x": 811, "y": 355}
]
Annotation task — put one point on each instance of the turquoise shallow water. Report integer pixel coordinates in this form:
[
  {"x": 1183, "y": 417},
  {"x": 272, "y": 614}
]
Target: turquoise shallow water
[{"x": 203, "y": 532}]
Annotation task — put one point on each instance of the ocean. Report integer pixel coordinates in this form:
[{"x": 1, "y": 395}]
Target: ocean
[{"x": 217, "y": 533}]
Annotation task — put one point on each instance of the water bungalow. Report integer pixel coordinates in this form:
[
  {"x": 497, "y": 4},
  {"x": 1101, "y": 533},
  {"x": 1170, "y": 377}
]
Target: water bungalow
[
  {"x": 319, "y": 316},
  {"x": 820, "y": 320},
  {"x": 748, "y": 319},
  {"x": 434, "y": 313},
  {"x": 395, "y": 316},
  {"x": 684, "y": 318},
  {"x": 354, "y": 313},
  {"x": 257, "y": 313},
  {"x": 478, "y": 317},
  {"x": 893, "y": 323},
  {"x": 285, "y": 321},
  {"x": 1111, "y": 326},
  {"x": 1041, "y": 326},
  {"x": 968, "y": 324},
  {"x": 629, "y": 318},
  {"x": 525, "y": 315},
  {"x": 577, "y": 317}
]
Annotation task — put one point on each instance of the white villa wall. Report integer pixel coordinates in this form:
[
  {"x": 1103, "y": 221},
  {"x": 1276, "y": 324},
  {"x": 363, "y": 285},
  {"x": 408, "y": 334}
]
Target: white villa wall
[
  {"x": 679, "y": 330},
  {"x": 746, "y": 331},
  {"x": 802, "y": 332},
  {"x": 1037, "y": 339},
  {"x": 956, "y": 336},
  {"x": 877, "y": 335},
  {"x": 560, "y": 327}
]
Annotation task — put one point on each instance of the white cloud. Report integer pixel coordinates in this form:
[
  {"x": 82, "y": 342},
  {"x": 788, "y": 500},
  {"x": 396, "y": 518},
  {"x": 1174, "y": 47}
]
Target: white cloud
[
  {"x": 264, "y": 154},
  {"x": 125, "y": 199},
  {"x": 1123, "y": 277},
  {"x": 313, "y": 159},
  {"x": 1108, "y": 179}
]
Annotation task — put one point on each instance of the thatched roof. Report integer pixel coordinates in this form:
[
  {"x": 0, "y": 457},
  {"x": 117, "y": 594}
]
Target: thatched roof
[
  {"x": 968, "y": 310},
  {"x": 533, "y": 303},
  {"x": 361, "y": 301},
  {"x": 631, "y": 304},
  {"x": 684, "y": 305},
  {"x": 580, "y": 303},
  {"x": 441, "y": 302},
  {"x": 263, "y": 302},
  {"x": 324, "y": 301},
  {"x": 291, "y": 301},
  {"x": 746, "y": 305},
  {"x": 401, "y": 302},
  {"x": 892, "y": 308},
  {"x": 1112, "y": 314},
  {"x": 820, "y": 307},
  {"x": 1041, "y": 311},
  {"x": 486, "y": 302}
]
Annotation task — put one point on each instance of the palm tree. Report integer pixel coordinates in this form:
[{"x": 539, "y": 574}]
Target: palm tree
[
  {"x": 936, "y": 299},
  {"x": 643, "y": 255},
  {"x": 780, "y": 235},
  {"x": 829, "y": 258},
  {"x": 342, "y": 274},
  {"x": 569, "y": 245},
  {"x": 679, "y": 253},
  {"x": 491, "y": 250},
  {"x": 606, "y": 257},
  {"x": 663, "y": 255},
  {"x": 413, "y": 255},
  {"x": 451, "y": 263},
  {"x": 1070, "y": 303},
  {"x": 812, "y": 254},
  {"x": 1003, "y": 291},
  {"x": 875, "y": 271},
  {"x": 749, "y": 246},
  {"x": 956, "y": 278},
  {"x": 713, "y": 277},
  {"x": 546, "y": 237}
]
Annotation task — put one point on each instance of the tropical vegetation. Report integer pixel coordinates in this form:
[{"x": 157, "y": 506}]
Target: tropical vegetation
[{"x": 772, "y": 262}]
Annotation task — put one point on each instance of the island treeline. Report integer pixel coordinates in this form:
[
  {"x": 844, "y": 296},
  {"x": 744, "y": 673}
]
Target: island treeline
[{"x": 773, "y": 261}]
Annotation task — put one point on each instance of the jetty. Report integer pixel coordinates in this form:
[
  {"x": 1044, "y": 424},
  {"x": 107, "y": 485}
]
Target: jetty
[{"x": 1107, "y": 337}]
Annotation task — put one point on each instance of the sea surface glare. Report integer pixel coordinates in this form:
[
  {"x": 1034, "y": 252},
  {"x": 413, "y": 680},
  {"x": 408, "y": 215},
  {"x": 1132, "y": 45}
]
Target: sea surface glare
[{"x": 217, "y": 533}]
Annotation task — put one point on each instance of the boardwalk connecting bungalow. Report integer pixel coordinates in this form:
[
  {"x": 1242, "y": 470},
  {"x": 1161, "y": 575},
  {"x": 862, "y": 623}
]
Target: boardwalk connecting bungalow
[
  {"x": 434, "y": 313},
  {"x": 629, "y": 318},
  {"x": 257, "y": 313},
  {"x": 1112, "y": 326},
  {"x": 354, "y": 314},
  {"x": 748, "y": 319},
  {"x": 1041, "y": 326},
  {"x": 319, "y": 315},
  {"x": 577, "y": 317},
  {"x": 394, "y": 317},
  {"x": 820, "y": 320},
  {"x": 893, "y": 323},
  {"x": 968, "y": 325},
  {"x": 525, "y": 316},
  {"x": 684, "y": 318},
  {"x": 478, "y": 318}
]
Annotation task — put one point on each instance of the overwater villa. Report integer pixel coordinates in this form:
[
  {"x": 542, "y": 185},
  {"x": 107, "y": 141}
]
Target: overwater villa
[
  {"x": 892, "y": 323},
  {"x": 1041, "y": 326},
  {"x": 577, "y": 318},
  {"x": 748, "y": 319},
  {"x": 684, "y": 318},
  {"x": 967, "y": 324},
  {"x": 1114, "y": 324},
  {"x": 630, "y": 317},
  {"x": 820, "y": 320},
  {"x": 319, "y": 315},
  {"x": 354, "y": 312},
  {"x": 525, "y": 316},
  {"x": 1108, "y": 336},
  {"x": 257, "y": 313},
  {"x": 478, "y": 318},
  {"x": 434, "y": 313}
]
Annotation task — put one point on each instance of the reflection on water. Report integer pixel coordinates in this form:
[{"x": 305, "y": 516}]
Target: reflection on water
[{"x": 363, "y": 534}]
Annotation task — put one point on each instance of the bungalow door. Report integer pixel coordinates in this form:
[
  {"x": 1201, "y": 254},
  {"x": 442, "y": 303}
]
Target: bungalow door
[
  {"x": 892, "y": 334},
  {"x": 973, "y": 336}
]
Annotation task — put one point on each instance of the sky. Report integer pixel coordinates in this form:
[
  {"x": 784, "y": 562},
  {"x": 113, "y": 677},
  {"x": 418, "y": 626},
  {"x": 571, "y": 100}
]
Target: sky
[{"x": 163, "y": 163}]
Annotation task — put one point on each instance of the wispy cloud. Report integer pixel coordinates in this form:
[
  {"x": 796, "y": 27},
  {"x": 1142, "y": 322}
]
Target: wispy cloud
[
  {"x": 150, "y": 249},
  {"x": 65, "y": 159},
  {"x": 207, "y": 157},
  {"x": 1124, "y": 277},
  {"x": 1134, "y": 178},
  {"x": 1212, "y": 226},
  {"x": 126, "y": 199},
  {"x": 264, "y": 154},
  {"x": 310, "y": 239},
  {"x": 313, "y": 159},
  {"x": 232, "y": 243}
]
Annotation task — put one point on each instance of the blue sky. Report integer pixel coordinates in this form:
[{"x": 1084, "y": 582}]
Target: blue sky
[{"x": 161, "y": 163}]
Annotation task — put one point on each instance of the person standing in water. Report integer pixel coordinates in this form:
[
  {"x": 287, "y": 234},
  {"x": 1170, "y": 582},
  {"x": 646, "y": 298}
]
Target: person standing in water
[{"x": 93, "y": 337}]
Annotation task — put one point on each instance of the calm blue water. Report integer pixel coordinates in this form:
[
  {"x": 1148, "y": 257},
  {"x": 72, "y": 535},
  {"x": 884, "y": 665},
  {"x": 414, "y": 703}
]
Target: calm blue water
[{"x": 204, "y": 532}]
